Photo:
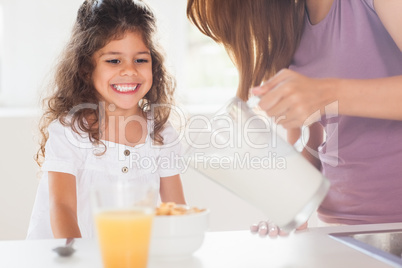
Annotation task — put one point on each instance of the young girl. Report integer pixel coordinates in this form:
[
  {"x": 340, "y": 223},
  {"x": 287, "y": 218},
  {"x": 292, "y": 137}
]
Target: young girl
[{"x": 107, "y": 119}]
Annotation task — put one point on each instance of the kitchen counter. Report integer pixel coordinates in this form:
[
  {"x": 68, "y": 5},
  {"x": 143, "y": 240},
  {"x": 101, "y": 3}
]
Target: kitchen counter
[{"x": 309, "y": 248}]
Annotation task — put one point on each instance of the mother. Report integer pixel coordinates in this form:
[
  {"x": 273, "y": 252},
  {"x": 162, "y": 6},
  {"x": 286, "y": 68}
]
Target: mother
[{"x": 330, "y": 64}]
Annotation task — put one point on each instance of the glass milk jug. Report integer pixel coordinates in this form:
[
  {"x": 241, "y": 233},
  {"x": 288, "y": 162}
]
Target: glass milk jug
[{"x": 241, "y": 151}]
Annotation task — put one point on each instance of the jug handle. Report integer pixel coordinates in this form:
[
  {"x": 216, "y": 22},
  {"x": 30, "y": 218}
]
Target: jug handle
[{"x": 253, "y": 101}]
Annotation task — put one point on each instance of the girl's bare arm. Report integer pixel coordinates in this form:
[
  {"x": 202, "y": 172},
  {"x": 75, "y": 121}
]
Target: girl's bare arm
[
  {"x": 63, "y": 205},
  {"x": 171, "y": 190}
]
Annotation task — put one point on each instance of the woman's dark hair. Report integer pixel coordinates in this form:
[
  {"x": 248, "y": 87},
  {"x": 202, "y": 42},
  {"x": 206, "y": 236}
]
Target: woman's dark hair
[{"x": 260, "y": 36}]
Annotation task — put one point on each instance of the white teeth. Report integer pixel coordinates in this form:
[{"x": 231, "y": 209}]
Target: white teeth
[{"x": 125, "y": 88}]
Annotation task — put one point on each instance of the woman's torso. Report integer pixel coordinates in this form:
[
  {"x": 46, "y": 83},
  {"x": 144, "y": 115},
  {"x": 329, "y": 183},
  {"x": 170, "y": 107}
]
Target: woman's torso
[{"x": 361, "y": 156}]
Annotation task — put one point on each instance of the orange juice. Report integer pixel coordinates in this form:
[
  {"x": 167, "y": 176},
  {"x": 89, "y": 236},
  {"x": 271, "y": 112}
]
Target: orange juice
[{"x": 124, "y": 237}]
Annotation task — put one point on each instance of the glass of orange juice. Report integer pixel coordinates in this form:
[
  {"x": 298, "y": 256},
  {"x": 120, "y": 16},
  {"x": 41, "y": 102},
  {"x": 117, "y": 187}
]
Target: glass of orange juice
[{"x": 123, "y": 214}]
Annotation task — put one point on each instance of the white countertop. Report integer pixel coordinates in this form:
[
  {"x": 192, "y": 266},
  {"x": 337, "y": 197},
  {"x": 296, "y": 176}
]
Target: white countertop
[{"x": 310, "y": 248}]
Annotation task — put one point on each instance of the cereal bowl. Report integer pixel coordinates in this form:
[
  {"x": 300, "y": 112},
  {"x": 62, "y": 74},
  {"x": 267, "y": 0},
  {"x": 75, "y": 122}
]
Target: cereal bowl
[{"x": 178, "y": 236}]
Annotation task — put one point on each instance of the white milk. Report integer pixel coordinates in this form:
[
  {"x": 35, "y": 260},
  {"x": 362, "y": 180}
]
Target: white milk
[
  {"x": 286, "y": 195},
  {"x": 241, "y": 151}
]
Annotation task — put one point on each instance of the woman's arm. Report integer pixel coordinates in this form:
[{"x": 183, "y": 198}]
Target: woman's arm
[
  {"x": 299, "y": 100},
  {"x": 63, "y": 205},
  {"x": 171, "y": 190},
  {"x": 376, "y": 98}
]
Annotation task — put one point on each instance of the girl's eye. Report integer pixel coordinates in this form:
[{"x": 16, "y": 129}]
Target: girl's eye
[
  {"x": 141, "y": 61},
  {"x": 113, "y": 61}
]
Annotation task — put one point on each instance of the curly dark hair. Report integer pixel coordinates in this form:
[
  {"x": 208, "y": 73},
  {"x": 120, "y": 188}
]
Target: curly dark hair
[{"x": 97, "y": 23}]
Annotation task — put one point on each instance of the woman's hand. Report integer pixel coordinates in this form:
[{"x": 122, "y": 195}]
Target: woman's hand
[
  {"x": 264, "y": 228},
  {"x": 294, "y": 100}
]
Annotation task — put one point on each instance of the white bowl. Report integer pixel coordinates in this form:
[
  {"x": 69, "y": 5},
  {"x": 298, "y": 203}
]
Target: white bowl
[{"x": 178, "y": 236}]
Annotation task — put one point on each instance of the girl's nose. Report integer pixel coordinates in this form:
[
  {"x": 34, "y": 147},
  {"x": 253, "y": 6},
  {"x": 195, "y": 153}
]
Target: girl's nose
[{"x": 128, "y": 70}]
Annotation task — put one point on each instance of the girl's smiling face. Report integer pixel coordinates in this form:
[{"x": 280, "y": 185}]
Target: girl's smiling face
[{"x": 123, "y": 73}]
